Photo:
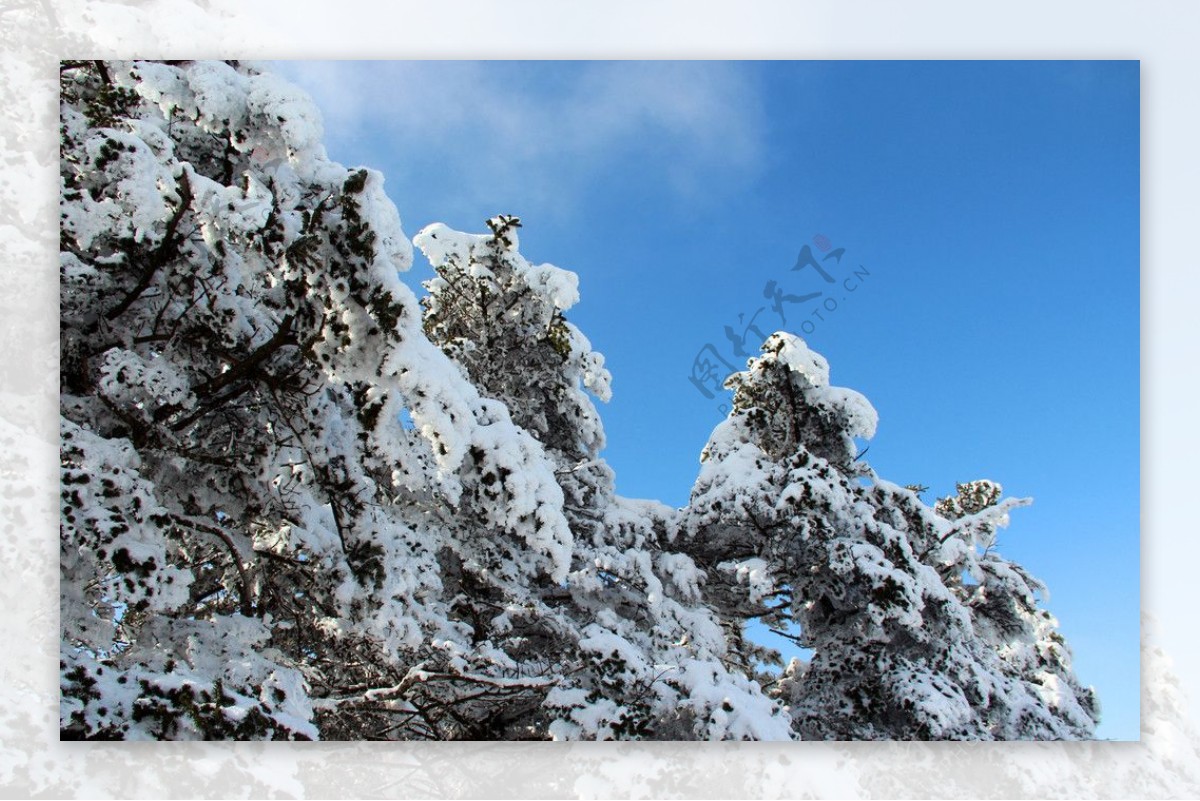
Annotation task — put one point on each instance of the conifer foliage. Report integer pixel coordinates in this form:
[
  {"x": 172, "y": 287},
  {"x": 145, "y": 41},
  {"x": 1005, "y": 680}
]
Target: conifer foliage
[
  {"x": 298, "y": 503},
  {"x": 798, "y": 532}
]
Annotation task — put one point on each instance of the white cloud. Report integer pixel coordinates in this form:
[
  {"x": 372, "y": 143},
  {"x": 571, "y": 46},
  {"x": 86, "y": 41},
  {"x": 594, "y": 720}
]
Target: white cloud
[{"x": 543, "y": 132}]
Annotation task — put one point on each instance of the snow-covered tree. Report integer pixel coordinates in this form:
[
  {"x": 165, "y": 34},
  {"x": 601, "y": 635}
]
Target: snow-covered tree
[
  {"x": 254, "y": 543},
  {"x": 298, "y": 503},
  {"x": 245, "y": 521},
  {"x": 646, "y": 655},
  {"x": 1004, "y": 602},
  {"x": 794, "y": 529}
]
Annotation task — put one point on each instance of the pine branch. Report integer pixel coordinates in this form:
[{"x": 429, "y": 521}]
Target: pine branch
[
  {"x": 166, "y": 250},
  {"x": 245, "y": 592}
]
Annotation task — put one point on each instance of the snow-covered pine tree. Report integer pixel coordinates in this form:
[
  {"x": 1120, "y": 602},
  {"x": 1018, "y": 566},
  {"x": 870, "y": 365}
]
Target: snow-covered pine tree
[
  {"x": 1006, "y": 613},
  {"x": 792, "y": 527},
  {"x": 646, "y": 657},
  {"x": 251, "y": 542},
  {"x": 253, "y": 545}
]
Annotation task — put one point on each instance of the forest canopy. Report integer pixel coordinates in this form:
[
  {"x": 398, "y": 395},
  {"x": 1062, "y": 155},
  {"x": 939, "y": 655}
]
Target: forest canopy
[{"x": 299, "y": 501}]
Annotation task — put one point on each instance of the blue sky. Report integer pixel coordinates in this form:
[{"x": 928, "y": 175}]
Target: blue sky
[{"x": 989, "y": 213}]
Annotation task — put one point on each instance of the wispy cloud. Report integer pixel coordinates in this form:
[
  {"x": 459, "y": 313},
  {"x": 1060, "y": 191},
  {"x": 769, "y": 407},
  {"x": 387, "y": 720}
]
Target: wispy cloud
[{"x": 543, "y": 133}]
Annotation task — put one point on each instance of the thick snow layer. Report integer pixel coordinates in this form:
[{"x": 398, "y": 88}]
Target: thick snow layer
[{"x": 793, "y": 351}]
